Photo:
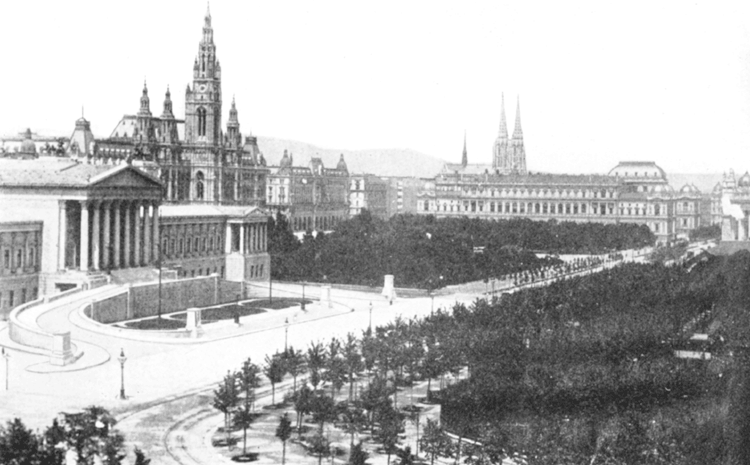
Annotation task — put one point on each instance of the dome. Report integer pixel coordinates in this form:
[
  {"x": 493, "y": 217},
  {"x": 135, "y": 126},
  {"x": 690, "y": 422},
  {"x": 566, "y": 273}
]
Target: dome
[
  {"x": 28, "y": 145},
  {"x": 744, "y": 180},
  {"x": 286, "y": 161},
  {"x": 341, "y": 166},
  {"x": 689, "y": 189}
]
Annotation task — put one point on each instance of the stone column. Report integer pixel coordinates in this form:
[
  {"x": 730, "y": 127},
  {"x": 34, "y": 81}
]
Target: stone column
[
  {"x": 242, "y": 239},
  {"x": 147, "y": 224},
  {"x": 95, "y": 239},
  {"x": 62, "y": 237},
  {"x": 84, "y": 236},
  {"x": 265, "y": 237},
  {"x": 127, "y": 239},
  {"x": 156, "y": 233},
  {"x": 107, "y": 231},
  {"x": 228, "y": 240},
  {"x": 137, "y": 234},
  {"x": 117, "y": 234}
]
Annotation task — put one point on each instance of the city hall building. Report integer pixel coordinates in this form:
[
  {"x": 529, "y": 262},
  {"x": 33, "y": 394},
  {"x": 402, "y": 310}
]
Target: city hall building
[{"x": 158, "y": 192}]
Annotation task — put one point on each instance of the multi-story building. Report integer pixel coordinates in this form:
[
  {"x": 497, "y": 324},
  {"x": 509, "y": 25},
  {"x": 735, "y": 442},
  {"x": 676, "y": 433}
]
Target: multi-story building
[
  {"x": 632, "y": 192},
  {"x": 312, "y": 197},
  {"x": 159, "y": 192},
  {"x": 402, "y": 194},
  {"x": 367, "y": 191},
  {"x": 196, "y": 161},
  {"x": 20, "y": 250}
]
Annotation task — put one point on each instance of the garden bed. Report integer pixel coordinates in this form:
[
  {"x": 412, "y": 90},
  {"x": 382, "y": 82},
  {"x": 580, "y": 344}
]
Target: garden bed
[{"x": 156, "y": 323}]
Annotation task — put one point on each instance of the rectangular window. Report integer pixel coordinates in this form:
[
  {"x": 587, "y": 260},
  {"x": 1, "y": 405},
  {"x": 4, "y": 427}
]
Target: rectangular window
[
  {"x": 6, "y": 259},
  {"x": 36, "y": 293},
  {"x": 10, "y": 298},
  {"x": 19, "y": 258},
  {"x": 23, "y": 295}
]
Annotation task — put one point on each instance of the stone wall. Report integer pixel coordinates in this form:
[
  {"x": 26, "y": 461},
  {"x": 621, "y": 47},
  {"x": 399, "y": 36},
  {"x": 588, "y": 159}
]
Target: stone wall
[{"x": 142, "y": 300}]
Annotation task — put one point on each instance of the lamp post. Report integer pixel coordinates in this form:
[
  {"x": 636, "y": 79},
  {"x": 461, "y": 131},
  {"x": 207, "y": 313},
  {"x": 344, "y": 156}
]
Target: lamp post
[
  {"x": 303, "y": 295},
  {"x": 122, "y": 359},
  {"x": 286, "y": 331},
  {"x": 370, "y": 326},
  {"x": 6, "y": 356}
]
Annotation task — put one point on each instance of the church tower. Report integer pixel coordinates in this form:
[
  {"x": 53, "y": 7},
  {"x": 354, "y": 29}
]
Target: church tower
[
  {"x": 203, "y": 101},
  {"x": 464, "y": 155},
  {"x": 509, "y": 156},
  {"x": 500, "y": 149},
  {"x": 517, "y": 150}
]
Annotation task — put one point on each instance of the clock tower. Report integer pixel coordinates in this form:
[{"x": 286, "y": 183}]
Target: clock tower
[{"x": 203, "y": 101}]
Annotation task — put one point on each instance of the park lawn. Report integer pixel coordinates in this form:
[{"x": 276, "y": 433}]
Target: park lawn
[
  {"x": 276, "y": 304},
  {"x": 156, "y": 324},
  {"x": 226, "y": 312}
]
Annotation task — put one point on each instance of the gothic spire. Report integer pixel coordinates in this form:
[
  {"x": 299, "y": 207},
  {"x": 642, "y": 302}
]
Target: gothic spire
[
  {"x": 233, "y": 115},
  {"x": 145, "y": 110},
  {"x": 464, "y": 157},
  {"x": 503, "y": 131},
  {"x": 517, "y": 131},
  {"x": 167, "y": 105}
]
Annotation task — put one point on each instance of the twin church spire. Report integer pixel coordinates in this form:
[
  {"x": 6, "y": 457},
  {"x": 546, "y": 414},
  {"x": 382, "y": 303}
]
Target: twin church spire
[{"x": 509, "y": 155}]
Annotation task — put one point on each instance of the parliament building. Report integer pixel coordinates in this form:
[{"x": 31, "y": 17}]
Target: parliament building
[{"x": 158, "y": 193}]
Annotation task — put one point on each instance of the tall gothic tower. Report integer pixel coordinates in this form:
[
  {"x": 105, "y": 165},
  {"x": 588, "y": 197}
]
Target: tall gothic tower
[
  {"x": 518, "y": 152},
  {"x": 203, "y": 101},
  {"x": 500, "y": 149},
  {"x": 509, "y": 156}
]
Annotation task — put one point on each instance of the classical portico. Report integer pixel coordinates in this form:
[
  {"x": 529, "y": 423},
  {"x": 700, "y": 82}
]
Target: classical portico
[
  {"x": 108, "y": 234},
  {"x": 96, "y": 218}
]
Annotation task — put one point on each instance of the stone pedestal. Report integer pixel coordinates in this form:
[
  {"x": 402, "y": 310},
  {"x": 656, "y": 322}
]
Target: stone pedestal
[
  {"x": 325, "y": 296},
  {"x": 389, "y": 292},
  {"x": 61, "y": 353},
  {"x": 193, "y": 324}
]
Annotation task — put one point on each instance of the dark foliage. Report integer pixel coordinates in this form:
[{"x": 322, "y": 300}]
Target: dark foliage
[{"x": 429, "y": 253}]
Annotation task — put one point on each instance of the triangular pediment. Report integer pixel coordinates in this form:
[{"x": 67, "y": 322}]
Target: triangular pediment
[{"x": 128, "y": 177}]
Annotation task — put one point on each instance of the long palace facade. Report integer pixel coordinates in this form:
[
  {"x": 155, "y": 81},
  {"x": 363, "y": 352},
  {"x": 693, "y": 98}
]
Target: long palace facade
[{"x": 632, "y": 192}]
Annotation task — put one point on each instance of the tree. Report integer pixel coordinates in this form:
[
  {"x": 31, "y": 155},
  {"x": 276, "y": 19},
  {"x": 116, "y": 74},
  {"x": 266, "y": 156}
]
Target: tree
[
  {"x": 243, "y": 418},
  {"x": 284, "y": 432},
  {"x": 352, "y": 418},
  {"x": 248, "y": 380},
  {"x": 434, "y": 441},
  {"x": 294, "y": 361},
  {"x": 18, "y": 444},
  {"x": 140, "y": 457},
  {"x": 353, "y": 360},
  {"x": 391, "y": 424},
  {"x": 316, "y": 358},
  {"x": 274, "y": 371},
  {"x": 320, "y": 446},
  {"x": 358, "y": 456},
  {"x": 335, "y": 372},
  {"x": 404, "y": 456},
  {"x": 323, "y": 409},
  {"x": 302, "y": 404},
  {"x": 226, "y": 399}
]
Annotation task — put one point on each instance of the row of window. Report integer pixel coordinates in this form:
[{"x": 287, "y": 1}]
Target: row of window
[
  {"x": 13, "y": 259},
  {"x": 526, "y": 208},
  {"x": 175, "y": 248},
  {"x": 492, "y": 192},
  {"x": 10, "y": 299}
]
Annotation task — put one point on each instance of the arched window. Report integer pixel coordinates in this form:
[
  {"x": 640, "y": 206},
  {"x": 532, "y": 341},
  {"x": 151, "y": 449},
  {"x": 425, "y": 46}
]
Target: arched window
[
  {"x": 199, "y": 190},
  {"x": 201, "y": 121}
]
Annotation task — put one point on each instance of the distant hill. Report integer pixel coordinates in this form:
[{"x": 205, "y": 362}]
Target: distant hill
[{"x": 381, "y": 162}]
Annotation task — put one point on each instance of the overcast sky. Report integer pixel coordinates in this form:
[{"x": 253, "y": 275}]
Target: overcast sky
[{"x": 662, "y": 81}]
